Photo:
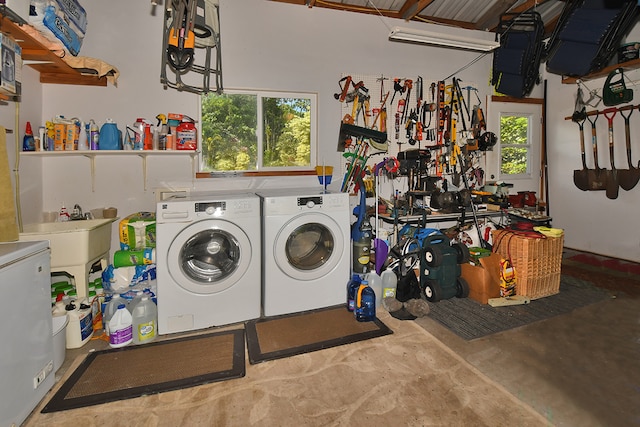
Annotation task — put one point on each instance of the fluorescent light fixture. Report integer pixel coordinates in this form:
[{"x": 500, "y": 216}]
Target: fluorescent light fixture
[{"x": 440, "y": 39}]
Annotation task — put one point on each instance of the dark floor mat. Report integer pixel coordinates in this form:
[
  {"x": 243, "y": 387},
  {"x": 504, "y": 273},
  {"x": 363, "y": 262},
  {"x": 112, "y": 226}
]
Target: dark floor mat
[
  {"x": 470, "y": 319},
  {"x": 117, "y": 374},
  {"x": 288, "y": 335}
]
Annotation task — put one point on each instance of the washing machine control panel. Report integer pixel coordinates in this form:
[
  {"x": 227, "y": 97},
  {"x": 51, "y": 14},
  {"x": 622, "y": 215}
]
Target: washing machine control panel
[
  {"x": 211, "y": 208},
  {"x": 309, "y": 202}
]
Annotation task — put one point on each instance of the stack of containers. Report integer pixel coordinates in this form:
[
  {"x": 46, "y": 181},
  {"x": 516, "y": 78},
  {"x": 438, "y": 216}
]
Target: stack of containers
[{"x": 130, "y": 280}]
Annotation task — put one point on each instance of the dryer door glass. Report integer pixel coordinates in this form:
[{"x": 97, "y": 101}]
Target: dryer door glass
[
  {"x": 309, "y": 246},
  {"x": 210, "y": 256}
]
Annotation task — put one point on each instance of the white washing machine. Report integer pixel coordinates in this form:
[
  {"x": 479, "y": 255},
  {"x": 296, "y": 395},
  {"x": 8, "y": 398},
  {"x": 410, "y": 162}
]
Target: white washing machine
[
  {"x": 306, "y": 249},
  {"x": 208, "y": 261}
]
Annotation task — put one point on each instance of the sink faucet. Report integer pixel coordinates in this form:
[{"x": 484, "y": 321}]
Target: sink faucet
[{"x": 76, "y": 213}]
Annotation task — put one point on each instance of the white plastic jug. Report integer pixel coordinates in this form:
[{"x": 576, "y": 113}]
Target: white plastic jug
[
  {"x": 389, "y": 283},
  {"x": 145, "y": 320},
  {"x": 80, "y": 327},
  {"x": 120, "y": 328},
  {"x": 375, "y": 283}
]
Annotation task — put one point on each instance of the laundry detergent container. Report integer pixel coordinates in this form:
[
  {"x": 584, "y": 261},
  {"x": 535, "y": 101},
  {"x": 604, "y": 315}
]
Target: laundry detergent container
[{"x": 59, "y": 340}]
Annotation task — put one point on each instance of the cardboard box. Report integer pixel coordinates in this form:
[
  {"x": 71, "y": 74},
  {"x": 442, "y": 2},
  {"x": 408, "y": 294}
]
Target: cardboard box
[
  {"x": 483, "y": 278},
  {"x": 11, "y": 70}
]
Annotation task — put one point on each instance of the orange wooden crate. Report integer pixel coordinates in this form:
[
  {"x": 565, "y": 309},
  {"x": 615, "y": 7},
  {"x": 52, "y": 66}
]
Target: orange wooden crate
[{"x": 537, "y": 261}]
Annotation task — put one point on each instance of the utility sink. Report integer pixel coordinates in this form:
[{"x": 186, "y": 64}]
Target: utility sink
[{"x": 75, "y": 245}]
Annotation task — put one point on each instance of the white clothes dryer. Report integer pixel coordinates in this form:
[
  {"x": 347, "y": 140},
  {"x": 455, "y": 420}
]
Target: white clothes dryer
[
  {"x": 306, "y": 249},
  {"x": 208, "y": 261}
]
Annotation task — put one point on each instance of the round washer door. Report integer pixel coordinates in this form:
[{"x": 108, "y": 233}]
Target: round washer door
[
  {"x": 209, "y": 256},
  {"x": 309, "y": 246}
]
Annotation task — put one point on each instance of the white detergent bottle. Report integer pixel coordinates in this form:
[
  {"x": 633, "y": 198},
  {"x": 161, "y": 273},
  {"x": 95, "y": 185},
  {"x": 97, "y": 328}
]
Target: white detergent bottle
[
  {"x": 120, "y": 327},
  {"x": 145, "y": 320},
  {"x": 111, "y": 308},
  {"x": 375, "y": 283},
  {"x": 389, "y": 283}
]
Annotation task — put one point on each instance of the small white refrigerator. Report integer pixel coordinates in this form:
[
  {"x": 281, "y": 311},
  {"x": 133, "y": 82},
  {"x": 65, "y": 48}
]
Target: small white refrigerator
[{"x": 26, "y": 333}]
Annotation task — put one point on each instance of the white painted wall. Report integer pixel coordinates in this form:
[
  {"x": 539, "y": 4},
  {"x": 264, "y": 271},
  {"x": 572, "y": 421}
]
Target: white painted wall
[{"x": 267, "y": 45}]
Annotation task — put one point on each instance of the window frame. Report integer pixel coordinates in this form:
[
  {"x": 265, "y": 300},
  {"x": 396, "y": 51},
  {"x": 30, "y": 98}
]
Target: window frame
[
  {"x": 260, "y": 168},
  {"x": 529, "y": 146}
]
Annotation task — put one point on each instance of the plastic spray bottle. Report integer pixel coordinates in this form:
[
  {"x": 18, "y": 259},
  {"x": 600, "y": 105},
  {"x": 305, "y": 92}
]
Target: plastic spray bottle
[
  {"x": 83, "y": 140},
  {"x": 164, "y": 130}
]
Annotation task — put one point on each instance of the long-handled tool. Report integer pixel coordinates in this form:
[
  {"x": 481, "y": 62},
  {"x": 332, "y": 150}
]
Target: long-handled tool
[
  {"x": 597, "y": 176},
  {"x": 581, "y": 176},
  {"x": 613, "y": 186},
  {"x": 628, "y": 177}
]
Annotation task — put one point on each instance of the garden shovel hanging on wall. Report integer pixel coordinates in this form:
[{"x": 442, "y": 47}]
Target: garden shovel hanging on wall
[
  {"x": 628, "y": 177},
  {"x": 581, "y": 176},
  {"x": 597, "y": 177},
  {"x": 613, "y": 186}
]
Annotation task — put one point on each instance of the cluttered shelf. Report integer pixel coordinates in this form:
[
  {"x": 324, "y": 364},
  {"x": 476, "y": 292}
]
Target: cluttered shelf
[
  {"x": 511, "y": 214},
  {"x": 626, "y": 66},
  {"x": 52, "y": 68}
]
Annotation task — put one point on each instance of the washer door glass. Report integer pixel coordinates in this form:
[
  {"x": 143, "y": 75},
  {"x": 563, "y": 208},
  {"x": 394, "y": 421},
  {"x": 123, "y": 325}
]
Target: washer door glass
[
  {"x": 209, "y": 256},
  {"x": 309, "y": 246}
]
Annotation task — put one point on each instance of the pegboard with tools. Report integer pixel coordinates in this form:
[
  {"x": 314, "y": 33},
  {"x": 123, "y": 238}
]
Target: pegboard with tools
[{"x": 432, "y": 132}]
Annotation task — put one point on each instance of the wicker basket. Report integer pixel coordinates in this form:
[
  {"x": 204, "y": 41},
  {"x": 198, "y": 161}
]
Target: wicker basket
[{"x": 537, "y": 261}]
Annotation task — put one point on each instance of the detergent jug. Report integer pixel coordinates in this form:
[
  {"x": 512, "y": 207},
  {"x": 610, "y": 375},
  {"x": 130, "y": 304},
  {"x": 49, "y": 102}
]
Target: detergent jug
[{"x": 110, "y": 136}]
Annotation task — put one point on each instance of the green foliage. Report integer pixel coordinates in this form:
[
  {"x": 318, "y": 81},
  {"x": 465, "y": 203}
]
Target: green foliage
[
  {"x": 514, "y": 145},
  {"x": 229, "y": 124}
]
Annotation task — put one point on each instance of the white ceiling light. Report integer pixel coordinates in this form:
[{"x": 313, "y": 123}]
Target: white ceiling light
[{"x": 440, "y": 39}]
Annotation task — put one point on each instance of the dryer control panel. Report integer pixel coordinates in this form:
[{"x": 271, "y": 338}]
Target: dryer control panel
[
  {"x": 310, "y": 201},
  {"x": 210, "y": 207}
]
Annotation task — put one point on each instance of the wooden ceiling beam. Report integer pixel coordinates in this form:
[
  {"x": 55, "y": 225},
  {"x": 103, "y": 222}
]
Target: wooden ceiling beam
[{"x": 410, "y": 11}]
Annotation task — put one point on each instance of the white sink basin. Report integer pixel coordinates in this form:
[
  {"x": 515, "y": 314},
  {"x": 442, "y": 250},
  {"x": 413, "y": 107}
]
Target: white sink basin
[{"x": 72, "y": 242}]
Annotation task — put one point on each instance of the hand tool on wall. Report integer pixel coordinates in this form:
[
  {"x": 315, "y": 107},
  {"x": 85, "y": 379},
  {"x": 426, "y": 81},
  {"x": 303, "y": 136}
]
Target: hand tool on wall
[
  {"x": 408, "y": 84},
  {"x": 581, "y": 176},
  {"x": 612, "y": 187},
  {"x": 344, "y": 84},
  {"x": 597, "y": 176},
  {"x": 628, "y": 177}
]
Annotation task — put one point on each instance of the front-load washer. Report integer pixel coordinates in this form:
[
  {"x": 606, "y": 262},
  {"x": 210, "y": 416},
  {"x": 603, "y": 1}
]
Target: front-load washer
[
  {"x": 208, "y": 261},
  {"x": 306, "y": 255}
]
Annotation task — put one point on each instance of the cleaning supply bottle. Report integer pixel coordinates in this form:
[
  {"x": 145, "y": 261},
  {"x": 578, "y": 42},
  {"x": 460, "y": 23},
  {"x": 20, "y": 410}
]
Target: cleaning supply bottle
[
  {"x": 352, "y": 288},
  {"x": 170, "y": 141},
  {"x": 83, "y": 140},
  {"x": 94, "y": 135},
  {"x": 148, "y": 137},
  {"x": 145, "y": 320},
  {"x": 109, "y": 311},
  {"x": 28, "y": 142},
  {"x": 63, "y": 215},
  {"x": 365, "y": 306},
  {"x": 375, "y": 283},
  {"x": 186, "y": 134},
  {"x": 120, "y": 327},
  {"x": 389, "y": 283},
  {"x": 162, "y": 132}
]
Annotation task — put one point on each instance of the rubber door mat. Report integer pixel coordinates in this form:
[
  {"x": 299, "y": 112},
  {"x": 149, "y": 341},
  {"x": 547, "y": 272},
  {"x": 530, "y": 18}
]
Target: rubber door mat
[
  {"x": 287, "y": 335},
  {"x": 117, "y": 374}
]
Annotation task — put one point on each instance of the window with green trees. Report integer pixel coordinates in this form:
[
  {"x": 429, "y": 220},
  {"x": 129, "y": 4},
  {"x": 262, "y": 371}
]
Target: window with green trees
[
  {"x": 253, "y": 131},
  {"x": 515, "y": 146}
]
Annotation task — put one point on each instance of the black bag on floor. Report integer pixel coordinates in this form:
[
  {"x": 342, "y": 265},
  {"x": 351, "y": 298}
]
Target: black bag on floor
[{"x": 408, "y": 287}]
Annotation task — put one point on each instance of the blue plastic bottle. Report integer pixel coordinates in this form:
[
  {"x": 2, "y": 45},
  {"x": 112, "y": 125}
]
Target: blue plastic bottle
[
  {"x": 352, "y": 288},
  {"x": 365, "y": 304}
]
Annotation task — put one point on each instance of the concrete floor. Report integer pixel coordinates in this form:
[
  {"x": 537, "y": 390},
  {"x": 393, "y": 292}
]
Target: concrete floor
[{"x": 580, "y": 369}]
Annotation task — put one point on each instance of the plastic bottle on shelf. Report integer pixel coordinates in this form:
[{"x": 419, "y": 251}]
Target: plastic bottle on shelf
[
  {"x": 170, "y": 140},
  {"x": 148, "y": 137},
  {"x": 365, "y": 306},
  {"x": 389, "y": 283},
  {"x": 145, "y": 320},
  {"x": 28, "y": 142},
  {"x": 94, "y": 135},
  {"x": 352, "y": 288},
  {"x": 83, "y": 140},
  {"x": 121, "y": 327}
]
